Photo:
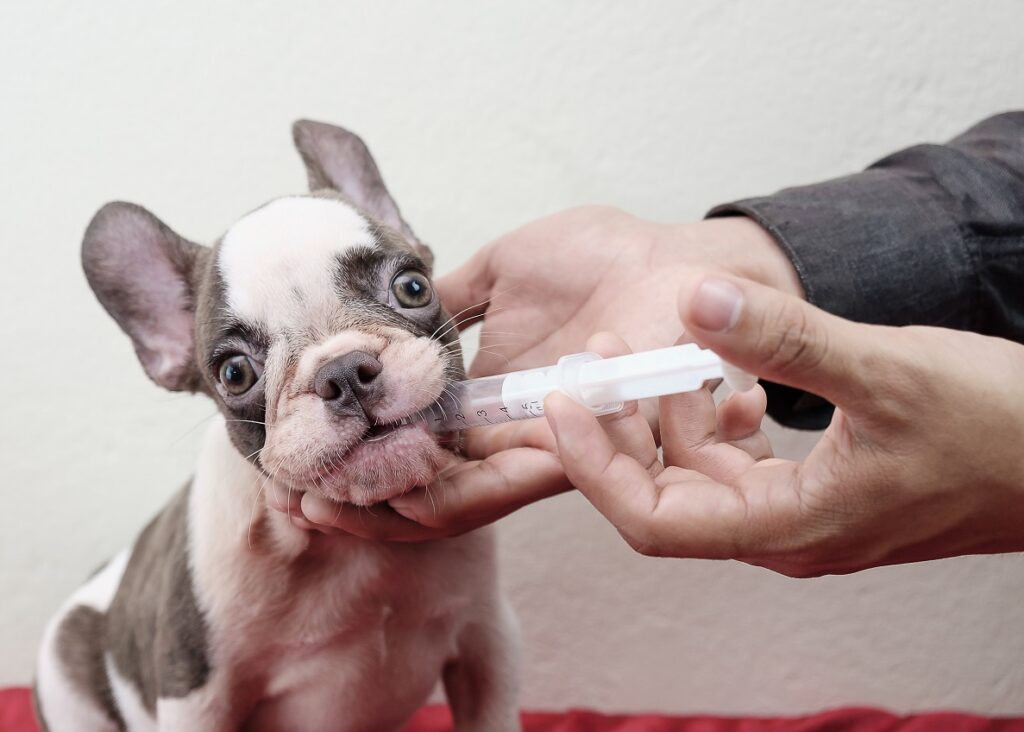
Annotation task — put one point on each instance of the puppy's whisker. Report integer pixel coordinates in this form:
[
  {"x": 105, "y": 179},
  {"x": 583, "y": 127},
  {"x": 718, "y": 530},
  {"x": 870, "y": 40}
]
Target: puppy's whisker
[
  {"x": 459, "y": 324},
  {"x": 193, "y": 428},
  {"x": 453, "y": 396},
  {"x": 252, "y": 515},
  {"x": 501, "y": 356},
  {"x": 456, "y": 315},
  {"x": 468, "y": 321},
  {"x": 433, "y": 505}
]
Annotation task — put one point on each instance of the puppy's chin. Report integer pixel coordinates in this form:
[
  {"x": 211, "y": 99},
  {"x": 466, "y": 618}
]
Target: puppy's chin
[{"x": 378, "y": 468}]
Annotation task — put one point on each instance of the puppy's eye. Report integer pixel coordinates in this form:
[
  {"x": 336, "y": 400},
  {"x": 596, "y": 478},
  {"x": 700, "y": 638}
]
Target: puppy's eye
[
  {"x": 238, "y": 374},
  {"x": 412, "y": 289}
]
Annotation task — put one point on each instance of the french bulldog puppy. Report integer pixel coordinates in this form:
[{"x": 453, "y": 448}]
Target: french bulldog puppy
[{"x": 313, "y": 326}]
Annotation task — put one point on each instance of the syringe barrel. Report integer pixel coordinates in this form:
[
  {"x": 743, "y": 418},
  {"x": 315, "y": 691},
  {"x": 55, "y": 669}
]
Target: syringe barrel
[
  {"x": 508, "y": 397},
  {"x": 602, "y": 385},
  {"x": 465, "y": 404}
]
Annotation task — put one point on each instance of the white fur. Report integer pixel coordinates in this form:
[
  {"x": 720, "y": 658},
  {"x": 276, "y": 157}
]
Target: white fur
[
  {"x": 288, "y": 246},
  {"x": 129, "y": 701},
  {"x": 358, "y": 644},
  {"x": 67, "y": 707},
  {"x": 307, "y": 632}
]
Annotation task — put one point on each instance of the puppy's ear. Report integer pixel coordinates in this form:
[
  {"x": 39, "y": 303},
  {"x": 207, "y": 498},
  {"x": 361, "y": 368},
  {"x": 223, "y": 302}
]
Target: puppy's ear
[
  {"x": 145, "y": 276},
  {"x": 337, "y": 159}
]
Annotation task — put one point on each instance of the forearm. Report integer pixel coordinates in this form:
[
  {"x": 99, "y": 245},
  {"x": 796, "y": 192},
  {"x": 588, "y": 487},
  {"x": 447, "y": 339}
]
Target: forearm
[{"x": 931, "y": 235}]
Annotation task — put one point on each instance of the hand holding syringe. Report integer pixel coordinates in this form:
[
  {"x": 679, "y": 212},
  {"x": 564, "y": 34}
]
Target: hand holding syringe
[{"x": 601, "y": 385}]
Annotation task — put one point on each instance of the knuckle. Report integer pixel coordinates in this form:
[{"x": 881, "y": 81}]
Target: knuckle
[
  {"x": 645, "y": 548},
  {"x": 789, "y": 343},
  {"x": 643, "y": 542},
  {"x": 801, "y": 572},
  {"x": 908, "y": 379}
]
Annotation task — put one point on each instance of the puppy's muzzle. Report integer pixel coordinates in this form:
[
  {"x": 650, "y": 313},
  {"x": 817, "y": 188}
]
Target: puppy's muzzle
[{"x": 349, "y": 385}]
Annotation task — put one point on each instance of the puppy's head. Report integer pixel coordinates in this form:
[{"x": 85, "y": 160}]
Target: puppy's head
[{"x": 312, "y": 323}]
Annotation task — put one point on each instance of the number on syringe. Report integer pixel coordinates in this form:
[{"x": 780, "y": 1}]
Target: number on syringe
[{"x": 534, "y": 408}]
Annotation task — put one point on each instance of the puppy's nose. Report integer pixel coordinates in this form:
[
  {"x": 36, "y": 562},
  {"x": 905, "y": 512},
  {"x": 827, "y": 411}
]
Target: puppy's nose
[{"x": 349, "y": 383}]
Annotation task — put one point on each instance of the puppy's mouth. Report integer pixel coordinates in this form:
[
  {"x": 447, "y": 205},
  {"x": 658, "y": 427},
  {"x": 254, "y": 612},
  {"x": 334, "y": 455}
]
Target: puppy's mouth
[
  {"x": 380, "y": 430},
  {"x": 400, "y": 442}
]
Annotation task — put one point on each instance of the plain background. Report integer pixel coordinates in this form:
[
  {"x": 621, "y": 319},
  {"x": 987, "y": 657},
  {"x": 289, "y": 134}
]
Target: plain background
[{"x": 482, "y": 116}]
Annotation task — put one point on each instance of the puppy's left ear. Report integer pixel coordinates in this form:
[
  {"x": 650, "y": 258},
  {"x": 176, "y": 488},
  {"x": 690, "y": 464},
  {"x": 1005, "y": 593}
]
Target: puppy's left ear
[{"x": 337, "y": 159}]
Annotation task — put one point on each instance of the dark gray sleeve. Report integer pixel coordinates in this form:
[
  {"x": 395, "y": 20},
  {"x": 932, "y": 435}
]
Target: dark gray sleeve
[{"x": 931, "y": 235}]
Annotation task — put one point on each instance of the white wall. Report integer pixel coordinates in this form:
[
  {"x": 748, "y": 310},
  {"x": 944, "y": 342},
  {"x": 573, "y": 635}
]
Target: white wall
[{"x": 482, "y": 115}]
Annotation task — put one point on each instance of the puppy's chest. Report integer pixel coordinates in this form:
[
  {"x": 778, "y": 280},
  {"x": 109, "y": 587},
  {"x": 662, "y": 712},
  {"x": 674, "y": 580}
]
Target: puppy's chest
[
  {"x": 353, "y": 633},
  {"x": 358, "y": 604}
]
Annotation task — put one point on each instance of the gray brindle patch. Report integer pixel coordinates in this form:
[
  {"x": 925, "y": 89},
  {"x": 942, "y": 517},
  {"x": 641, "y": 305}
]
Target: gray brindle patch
[
  {"x": 153, "y": 631},
  {"x": 156, "y": 633}
]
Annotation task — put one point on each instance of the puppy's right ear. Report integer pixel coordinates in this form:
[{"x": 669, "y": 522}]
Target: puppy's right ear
[{"x": 146, "y": 276}]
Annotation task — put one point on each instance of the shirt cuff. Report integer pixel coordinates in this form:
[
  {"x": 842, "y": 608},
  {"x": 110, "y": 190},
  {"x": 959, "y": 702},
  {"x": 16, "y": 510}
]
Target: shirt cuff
[{"x": 874, "y": 247}]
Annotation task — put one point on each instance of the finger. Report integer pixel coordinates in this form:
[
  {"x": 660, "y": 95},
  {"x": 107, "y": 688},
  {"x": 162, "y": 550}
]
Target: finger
[
  {"x": 688, "y": 423},
  {"x": 740, "y": 415},
  {"x": 483, "y": 442},
  {"x": 282, "y": 499},
  {"x": 479, "y": 492},
  {"x": 631, "y": 435},
  {"x": 628, "y": 428},
  {"x": 757, "y": 446},
  {"x": 607, "y": 345},
  {"x": 466, "y": 292},
  {"x": 777, "y": 336},
  {"x": 681, "y": 512},
  {"x": 697, "y": 516},
  {"x": 619, "y": 487},
  {"x": 379, "y": 523},
  {"x": 690, "y": 438}
]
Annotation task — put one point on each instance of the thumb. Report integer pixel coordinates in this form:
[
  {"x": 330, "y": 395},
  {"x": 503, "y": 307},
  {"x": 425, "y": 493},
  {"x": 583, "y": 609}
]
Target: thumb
[
  {"x": 778, "y": 336},
  {"x": 466, "y": 292}
]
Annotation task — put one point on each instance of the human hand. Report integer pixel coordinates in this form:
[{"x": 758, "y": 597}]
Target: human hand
[
  {"x": 546, "y": 287},
  {"x": 924, "y": 457},
  {"x": 542, "y": 290}
]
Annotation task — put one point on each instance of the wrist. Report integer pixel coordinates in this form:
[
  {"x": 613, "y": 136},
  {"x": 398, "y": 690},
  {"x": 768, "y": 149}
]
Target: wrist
[{"x": 743, "y": 247}]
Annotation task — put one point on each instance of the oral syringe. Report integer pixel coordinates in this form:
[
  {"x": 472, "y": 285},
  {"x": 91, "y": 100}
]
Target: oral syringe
[{"x": 602, "y": 385}]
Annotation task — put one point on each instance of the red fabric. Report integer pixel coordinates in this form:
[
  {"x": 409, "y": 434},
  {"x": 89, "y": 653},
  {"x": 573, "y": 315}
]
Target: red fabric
[
  {"x": 16, "y": 711},
  {"x": 16, "y": 716},
  {"x": 437, "y": 719}
]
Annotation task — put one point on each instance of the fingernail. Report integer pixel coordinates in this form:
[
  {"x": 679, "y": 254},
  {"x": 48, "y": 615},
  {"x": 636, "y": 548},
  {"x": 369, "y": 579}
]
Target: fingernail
[{"x": 716, "y": 306}]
